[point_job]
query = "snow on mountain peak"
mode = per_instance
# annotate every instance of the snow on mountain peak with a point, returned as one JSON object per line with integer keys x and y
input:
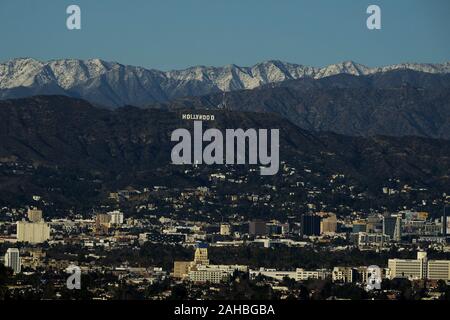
{"x": 110, "y": 82}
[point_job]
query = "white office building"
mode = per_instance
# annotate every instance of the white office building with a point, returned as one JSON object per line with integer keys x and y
{"x": 213, "y": 273}
{"x": 372, "y": 239}
{"x": 421, "y": 268}
{"x": 302, "y": 274}
{"x": 297, "y": 275}
{"x": 12, "y": 259}
{"x": 116, "y": 217}
{"x": 273, "y": 273}
{"x": 439, "y": 270}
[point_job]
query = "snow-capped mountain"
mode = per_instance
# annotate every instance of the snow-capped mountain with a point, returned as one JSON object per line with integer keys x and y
{"x": 114, "y": 84}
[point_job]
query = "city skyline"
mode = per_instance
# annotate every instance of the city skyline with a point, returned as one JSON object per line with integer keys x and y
{"x": 225, "y": 157}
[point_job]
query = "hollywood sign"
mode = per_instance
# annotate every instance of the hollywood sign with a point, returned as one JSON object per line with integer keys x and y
{"x": 198, "y": 117}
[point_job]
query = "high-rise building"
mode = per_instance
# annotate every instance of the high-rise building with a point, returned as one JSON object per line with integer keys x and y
{"x": 421, "y": 268}
{"x": 439, "y": 270}
{"x": 102, "y": 218}
{"x": 181, "y": 269}
{"x": 359, "y": 226}
{"x": 257, "y": 228}
{"x": 408, "y": 268}
{"x": 310, "y": 225}
{"x": 398, "y": 229}
{"x": 33, "y": 232}
{"x": 284, "y": 228}
{"x": 201, "y": 254}
{"x": 274, "y": 229}
{"x": 389, "y": 225}
{"x": 34, "y": 215}
{"x": 225, "y": 229}
{"x": 116, "y": 217}
{"x": 402, "y": 268}
{"x": 329, "y": 224}
{"x": 445, "y": 215}
{"x": 201, "y": 271}
{"x": 392, "y": 226}
{"x": 102, "y": 223}
{"x": 374, "y": 224}
{"x": 12, "y": 259}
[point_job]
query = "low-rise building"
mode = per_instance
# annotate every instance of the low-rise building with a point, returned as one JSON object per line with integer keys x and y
{"x": 343, "y": 274}
{"x": 214, "y": 273}
{"x": 372, "y": 239}
{"x": 298, "y": 275}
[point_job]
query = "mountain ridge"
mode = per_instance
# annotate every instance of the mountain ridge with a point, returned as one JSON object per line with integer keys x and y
{"x": 60, "y": 141}
{"x": 403, "y": 111}
{"x": 115, "y": 84}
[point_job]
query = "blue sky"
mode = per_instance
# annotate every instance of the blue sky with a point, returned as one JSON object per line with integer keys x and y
{"x": 174, "y": 34}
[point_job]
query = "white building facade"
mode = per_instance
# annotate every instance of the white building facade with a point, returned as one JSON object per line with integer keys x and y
{"x": 12, "y": 259}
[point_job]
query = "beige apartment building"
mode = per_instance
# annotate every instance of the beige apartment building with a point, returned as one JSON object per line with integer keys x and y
{"x": 199, "y": 270}
{"x": 33, "y": 232}
{"x": 34, "y": 215}
{"x": 328, "y": 224}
